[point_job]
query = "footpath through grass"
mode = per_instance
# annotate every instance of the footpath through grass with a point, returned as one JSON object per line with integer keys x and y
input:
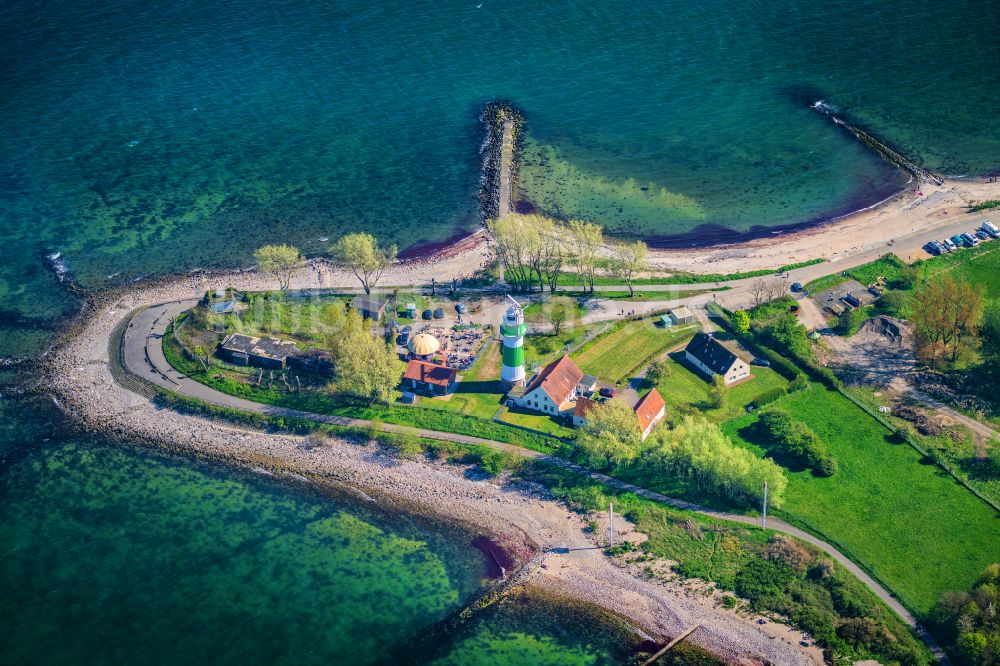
{"x": 910, "y": 524}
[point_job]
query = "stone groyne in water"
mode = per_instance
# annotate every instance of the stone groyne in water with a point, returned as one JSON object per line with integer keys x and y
{"x": 503, "y": 124}
{"x": 884, "y": 151}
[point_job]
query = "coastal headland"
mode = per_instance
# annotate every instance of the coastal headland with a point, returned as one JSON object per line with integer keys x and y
{"x": 520, "y": 517}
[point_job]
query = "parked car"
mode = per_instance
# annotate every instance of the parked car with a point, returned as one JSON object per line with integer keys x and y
{"x": 461, "y": 309}
{"x": 982, "y": 235}
{"x": 949, "y": 244}
{"x": 439, "y": 313}
{"x": 427, "y": 314}
{"x": 608, "y": 391}
{"x": 991, "y": 229}
{"x": 796, "y": 286}
{"x": 958, "y": 240}
{"x": 970, "y": 240}
{"x": 933, "y": 248}
{"x": 762, "y": 362}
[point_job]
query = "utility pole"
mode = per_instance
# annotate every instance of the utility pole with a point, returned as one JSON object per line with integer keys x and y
{"x": 611, "y": 525}
{"x": 763, "y": 515}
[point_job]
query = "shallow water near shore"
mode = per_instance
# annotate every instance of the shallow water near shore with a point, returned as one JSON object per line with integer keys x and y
{"x": 118, "y": 554}
{"x": 140, "y": 139}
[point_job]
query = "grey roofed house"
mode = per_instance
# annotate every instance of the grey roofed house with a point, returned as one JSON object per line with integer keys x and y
{"x": 714, "y": 358}
{"x": 370, "y": 307}
{"x": 269, "y": 353}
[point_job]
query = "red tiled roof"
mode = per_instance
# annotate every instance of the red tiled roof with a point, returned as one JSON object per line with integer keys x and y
{"x": 583, "y": 406}
{"x": 558, "y": 379}
{"x": 648, "y": 408}
{"x": 430, "y": 373}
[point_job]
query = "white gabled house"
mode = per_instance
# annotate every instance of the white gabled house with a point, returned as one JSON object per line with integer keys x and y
{"x": 553, "y": 390}
{"x": 714, "y": 358}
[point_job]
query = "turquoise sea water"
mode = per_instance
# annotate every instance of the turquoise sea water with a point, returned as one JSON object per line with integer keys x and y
{"x": 143, "y": 138}
{"x": 117, "y": 555}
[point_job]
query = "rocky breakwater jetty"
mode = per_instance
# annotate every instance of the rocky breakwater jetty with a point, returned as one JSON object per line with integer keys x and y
{"x": 503, "y": 123}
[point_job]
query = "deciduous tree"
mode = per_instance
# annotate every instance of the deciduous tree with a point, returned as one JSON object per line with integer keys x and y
{"x": 657, "y": 372}
{"x": 279, "y": 260}
{"x": 719, "y": 391}
{"x": 560, "y": 308}
{"x": 741, "y": 321}
{"x": 611, "y": 434}
{"x": 587, "y": 242}
{"x": 362, "y": 254}
{"x": 516, "y": 242}
{"x": 945, "y": 312}
{"x": 366, "y": 366}
{"x": 629, "y": 259}
{"x": 699, "y": 452}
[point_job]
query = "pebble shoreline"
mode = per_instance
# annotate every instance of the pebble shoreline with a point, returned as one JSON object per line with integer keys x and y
{"x": 519, "y": 516}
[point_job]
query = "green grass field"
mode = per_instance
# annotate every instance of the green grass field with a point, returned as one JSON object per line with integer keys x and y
{"x": 686, "y": 388}
{"x": 536, "y": 421}
{"x": 627, "y": 348}
{"x": 979, "y": 266}
{"x": 540, "y": 349}
{"x": 909, "y": 523}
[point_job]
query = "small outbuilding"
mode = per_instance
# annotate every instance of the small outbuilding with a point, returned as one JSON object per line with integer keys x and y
{"x": 370, "y": 307}
{"x": 429, "y": 378}
{"x": 267, "y": 353}
{"x": 681, "y": 315}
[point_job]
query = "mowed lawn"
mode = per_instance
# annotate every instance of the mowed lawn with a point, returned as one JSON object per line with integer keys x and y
{"x": 615, "y": 354}
{"x": 686, "y": 387}
{"x": 917, "y": 529}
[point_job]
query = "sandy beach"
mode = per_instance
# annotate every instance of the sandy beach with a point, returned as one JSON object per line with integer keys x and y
{"x": 903, "y": 215}
{"x": 519, "y": 515}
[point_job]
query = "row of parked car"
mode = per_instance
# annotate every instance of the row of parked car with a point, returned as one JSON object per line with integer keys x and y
{"x": 985, "y": 232}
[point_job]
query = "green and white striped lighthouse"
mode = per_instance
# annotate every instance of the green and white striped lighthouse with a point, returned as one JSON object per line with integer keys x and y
{"x": 513, "y": 329}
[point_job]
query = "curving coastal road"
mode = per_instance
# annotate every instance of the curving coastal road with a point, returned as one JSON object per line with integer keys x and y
{"x": 143, "y": 357}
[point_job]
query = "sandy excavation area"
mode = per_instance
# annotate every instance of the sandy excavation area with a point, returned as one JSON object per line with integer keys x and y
{"x": 521, "y": 516}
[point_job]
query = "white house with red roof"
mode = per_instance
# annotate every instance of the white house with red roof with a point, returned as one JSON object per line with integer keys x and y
{"x": 650, "y": 410}
{"x": 553, "y": 391}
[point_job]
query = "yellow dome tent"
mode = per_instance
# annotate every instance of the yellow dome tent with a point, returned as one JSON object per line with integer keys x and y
{"x": 424, "y": 344}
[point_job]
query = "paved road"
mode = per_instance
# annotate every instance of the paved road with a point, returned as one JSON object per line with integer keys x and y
{"x": 144, "y": 357}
